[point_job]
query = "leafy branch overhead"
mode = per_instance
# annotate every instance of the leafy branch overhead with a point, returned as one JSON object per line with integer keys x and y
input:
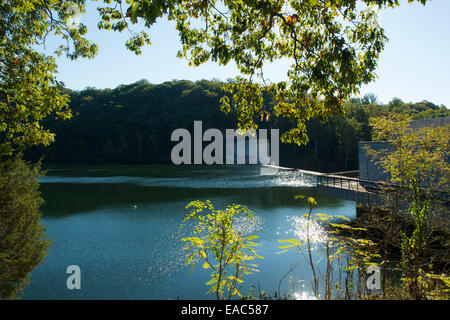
{"x": 29, "y": 90}
{"x": 333, "y": 48}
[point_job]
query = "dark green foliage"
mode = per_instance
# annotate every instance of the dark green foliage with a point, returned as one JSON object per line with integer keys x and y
{"x": 133, "y": 124}
{"x": 23, "y": 244}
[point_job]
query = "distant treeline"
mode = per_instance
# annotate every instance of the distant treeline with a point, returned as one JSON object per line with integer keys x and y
{"x": 133, "y": 124}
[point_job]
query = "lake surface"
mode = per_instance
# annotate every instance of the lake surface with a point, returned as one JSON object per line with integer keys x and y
{"x": 120, "y": 225}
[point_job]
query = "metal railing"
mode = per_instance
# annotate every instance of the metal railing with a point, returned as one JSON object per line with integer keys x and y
{"x": 366, "y": 186}
{"x": 350, "y": 183}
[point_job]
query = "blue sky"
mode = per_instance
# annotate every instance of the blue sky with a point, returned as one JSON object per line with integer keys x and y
{"x": 414, "y": 66}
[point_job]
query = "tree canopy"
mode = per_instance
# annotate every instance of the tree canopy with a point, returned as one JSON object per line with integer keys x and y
{"x": 133, "y": 124}
{"x": 29, "y": 90}
{"x": 333, "y": 46}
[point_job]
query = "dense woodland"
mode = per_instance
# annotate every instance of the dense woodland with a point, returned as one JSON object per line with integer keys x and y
{"x": 133, "y": 124}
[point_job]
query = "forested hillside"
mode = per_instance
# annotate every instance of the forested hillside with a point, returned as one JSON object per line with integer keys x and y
{"x": 133, "y": 124}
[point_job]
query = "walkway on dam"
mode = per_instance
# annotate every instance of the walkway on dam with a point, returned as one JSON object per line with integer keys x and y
{"x": 347, "y": 185}
{"x": 344, "y": 185}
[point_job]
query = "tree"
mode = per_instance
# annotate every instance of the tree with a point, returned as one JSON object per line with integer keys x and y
{"x": 28, "y": 93}
{"x": 133, "y": 122}
{"x": 28, "y": 88}
{"x": 416, "y": 155}
{"x": 370, "y": 98}
{"x": 333, "y": 46}
{"x": 418, "y": 168}
{"x": 22, "y": 240}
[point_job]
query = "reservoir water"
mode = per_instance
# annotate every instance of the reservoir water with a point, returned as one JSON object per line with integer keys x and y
{"x": 120, "y": 225}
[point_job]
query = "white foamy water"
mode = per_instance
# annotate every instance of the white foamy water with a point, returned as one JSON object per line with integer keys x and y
{"x": 244, "y": 179}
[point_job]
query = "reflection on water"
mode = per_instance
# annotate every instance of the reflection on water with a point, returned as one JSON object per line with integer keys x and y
{"x": 304, "y": 296}
{"x": 120, "y": 225}
{"x": 246, "y": 226}
{"x": 302, "y": 229}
